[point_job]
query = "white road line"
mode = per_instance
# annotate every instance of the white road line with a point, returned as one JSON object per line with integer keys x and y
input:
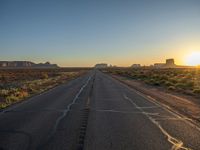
{"x": 177, "y": 144}
{"x": 149, "y": 107}
{"x": 170, "y": 118}
{"x": 118, "y": 111}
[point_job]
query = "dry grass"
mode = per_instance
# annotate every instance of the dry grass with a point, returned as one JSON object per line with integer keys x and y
{"x": 185, "y": 81}
{"x": 18, "y": 84}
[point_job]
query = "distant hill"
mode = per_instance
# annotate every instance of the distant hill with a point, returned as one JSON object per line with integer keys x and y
{"x": 26, "y": 64}
{"x": 45, "y": 65}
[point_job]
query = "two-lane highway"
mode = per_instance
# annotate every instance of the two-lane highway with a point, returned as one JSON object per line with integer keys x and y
{"x": 94, "y": 112}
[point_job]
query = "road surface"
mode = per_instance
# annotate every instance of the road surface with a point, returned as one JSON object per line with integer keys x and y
{"x": 94, "y": 112}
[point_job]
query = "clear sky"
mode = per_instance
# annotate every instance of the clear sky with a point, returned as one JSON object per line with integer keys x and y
{"x": 83, "y": 32}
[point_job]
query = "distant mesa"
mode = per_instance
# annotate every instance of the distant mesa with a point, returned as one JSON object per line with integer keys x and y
{"x": 25, "y": 64}
{"x": 170, "y": 63}
{"x": 102, "y": 65}
{"x": 46, "y": 65}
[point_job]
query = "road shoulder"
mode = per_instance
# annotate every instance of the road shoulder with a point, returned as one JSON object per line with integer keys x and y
{"x": 178, "y": 104}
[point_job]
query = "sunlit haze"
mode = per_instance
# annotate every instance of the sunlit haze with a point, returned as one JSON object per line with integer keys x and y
{"x": 193, "y": 59}
{"x": 117, "y": 32}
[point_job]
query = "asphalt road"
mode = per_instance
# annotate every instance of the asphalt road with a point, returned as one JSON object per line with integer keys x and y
{"x": 94, "y": 112}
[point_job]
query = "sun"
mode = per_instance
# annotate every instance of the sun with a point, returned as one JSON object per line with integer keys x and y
{"x": 193, "y": 59}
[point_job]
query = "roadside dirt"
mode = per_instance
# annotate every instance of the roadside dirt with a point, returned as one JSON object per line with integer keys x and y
{"x": 185, "y": 105}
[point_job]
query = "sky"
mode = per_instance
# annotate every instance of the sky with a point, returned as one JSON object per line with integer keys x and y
{"x": 85, "y": 32}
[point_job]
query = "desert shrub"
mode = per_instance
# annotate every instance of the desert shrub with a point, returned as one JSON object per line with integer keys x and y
{"x": 168, "y": 83}
{"x": 12, "y": 98}
{"x": 162, "y": 81}
{"x": 2, "y": 78}
{"x": 155, "y": 76}
{"x": 180, "y": 85}
{"x": 3, "y": 105}
{"x": 32, "y": 90}
{"x": 21, "y": 94}
{"x": 163, "y": 77}
{"x": 24, "y": 87}
{"x": 156, "y": 83}
{"x": 172, "y": 88}
{"x": 44, "y": 76}
{"x": 4, "y": 92}
{"x": 189, "y": 76}
{"x": 143, "y": 76}
{"x": 146, "y": 81}
{"x": 13, "y": 91}
{"x": 183, "y": 80}
{"x": 196, "y": 91}
{"x": 153, "y": 82}
{"x": 174, "y": 80}
{"x": 189, "y": 84}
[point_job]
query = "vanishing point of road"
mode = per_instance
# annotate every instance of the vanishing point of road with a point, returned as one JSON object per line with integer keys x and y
{"x": 94, "y": 112}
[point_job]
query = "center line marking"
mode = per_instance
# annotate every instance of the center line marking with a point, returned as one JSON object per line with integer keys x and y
{"x": 65, "y": 112}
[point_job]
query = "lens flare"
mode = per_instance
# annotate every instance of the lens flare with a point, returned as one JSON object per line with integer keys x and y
{"x": 193, "y": 59}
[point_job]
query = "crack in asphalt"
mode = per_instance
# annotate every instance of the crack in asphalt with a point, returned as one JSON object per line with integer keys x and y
{"x": 177, "y": 144}
{"x": 64, "y": 113}
{"x": 189, "y": 121}
{"x": 161, "y": 117}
